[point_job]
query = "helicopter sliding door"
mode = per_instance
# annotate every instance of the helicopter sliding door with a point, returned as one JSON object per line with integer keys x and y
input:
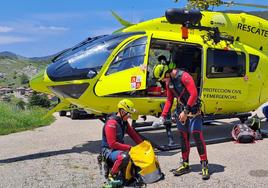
{"x": 175, "y": 54}
{"x": 127, "y": 71}
{"x": 225, "y": 87}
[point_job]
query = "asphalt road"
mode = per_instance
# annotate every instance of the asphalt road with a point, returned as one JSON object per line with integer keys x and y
{"x": 64, "y": 155}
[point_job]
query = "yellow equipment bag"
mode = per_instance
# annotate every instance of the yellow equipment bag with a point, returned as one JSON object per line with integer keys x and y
{"x": 144, "y": 158}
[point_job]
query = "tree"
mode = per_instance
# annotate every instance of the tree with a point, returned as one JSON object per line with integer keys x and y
{"x": 24, "y": 79}
{"x": 14, "y": 75}
{"x": 39, "y": 100}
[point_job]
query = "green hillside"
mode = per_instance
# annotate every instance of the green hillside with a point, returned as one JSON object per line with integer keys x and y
{"x": 13, "y": 68}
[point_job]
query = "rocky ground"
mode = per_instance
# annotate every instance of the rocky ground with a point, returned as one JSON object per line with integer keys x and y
{"x": 64, "y": 155}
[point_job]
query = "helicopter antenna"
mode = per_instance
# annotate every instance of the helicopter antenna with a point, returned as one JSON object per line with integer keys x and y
{"x": 204, "y": 4}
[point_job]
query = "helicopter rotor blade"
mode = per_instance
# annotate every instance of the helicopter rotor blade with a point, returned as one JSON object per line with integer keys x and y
{"x": 245, "y": 4}
{"x": 205, "y": 4}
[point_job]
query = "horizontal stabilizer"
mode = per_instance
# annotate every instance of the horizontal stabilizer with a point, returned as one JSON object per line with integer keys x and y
{"x": 121, "y": 20}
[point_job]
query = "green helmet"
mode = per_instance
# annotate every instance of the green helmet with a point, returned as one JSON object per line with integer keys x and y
{"x": 160, "y": 71}
{"x": 127, "y": 105}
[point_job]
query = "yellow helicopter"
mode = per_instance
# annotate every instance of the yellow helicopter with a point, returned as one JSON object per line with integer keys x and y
{"x": 226, "y": 53}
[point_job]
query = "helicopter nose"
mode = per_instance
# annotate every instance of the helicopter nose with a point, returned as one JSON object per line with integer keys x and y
{"x": 37, "y": 83}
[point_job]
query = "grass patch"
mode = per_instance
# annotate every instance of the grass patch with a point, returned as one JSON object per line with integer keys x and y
{"x": 14, "y": 119}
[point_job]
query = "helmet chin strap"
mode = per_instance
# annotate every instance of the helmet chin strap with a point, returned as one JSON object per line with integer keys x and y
{"x": 122, "y": 116}
{"x": 169, "y": 75}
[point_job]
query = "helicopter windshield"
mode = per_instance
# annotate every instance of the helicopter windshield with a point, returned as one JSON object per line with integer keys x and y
{"x": 69, "y": 51}
{"x": 86, "y": 59}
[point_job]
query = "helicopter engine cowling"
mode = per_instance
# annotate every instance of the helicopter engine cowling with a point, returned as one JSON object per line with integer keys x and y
{"x": 183, "y": 16}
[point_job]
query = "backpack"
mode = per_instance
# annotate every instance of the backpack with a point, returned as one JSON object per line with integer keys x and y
{"x": 242, "y": 133}
{"x": 142, "y": 169}
{"x": 143, "y": 157}
{"x": 255, "y": 124}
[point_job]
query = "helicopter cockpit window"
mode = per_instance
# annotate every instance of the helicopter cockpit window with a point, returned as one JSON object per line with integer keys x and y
{"x": 131, "y": 56}
{"x": 224, "y": 64}
{"x": 253, "y": 62}
{"x": 69, "y": 51}
{"x": 85, "y": 60}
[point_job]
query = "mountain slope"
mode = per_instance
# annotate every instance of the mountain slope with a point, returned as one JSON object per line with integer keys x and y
{"x": 262, "y": 14}
{"x": 13, "y": 66}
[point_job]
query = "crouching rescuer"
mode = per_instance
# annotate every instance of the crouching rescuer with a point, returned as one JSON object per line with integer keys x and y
{"x": 180, "y": 85}
{"x": 113, "y": 147}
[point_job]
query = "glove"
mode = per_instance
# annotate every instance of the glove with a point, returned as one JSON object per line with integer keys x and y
{"x": 161, "y": 121}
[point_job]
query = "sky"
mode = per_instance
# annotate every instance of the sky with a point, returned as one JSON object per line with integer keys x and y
{"x": 36, "y": 28}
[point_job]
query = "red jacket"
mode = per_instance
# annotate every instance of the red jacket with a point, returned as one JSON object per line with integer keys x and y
{"x": 114, "y": 135}
{"x": 188, "y": 91}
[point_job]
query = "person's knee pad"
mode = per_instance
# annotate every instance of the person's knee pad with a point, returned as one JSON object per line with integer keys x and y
{"x": 125, "y": 159}
{"x": 199, "y": 142}
{"x": 184, "y": 141}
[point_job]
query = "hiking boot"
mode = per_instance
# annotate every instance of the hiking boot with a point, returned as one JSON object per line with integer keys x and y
{"x": 205, "y": 171}
{"x": 183, "y": 169}
{"x": 113, "y": 181}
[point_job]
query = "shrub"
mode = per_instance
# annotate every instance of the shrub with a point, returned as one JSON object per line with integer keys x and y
{"x": 39, "y": 100}
{"x": 21, "y": 104}
{"x": 24, "y": 79}
{"x": 14, "y": 119}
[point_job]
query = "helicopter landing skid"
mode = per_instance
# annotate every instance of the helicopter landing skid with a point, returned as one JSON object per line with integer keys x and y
{"x": 168, "y": 147}
{"x": 192, "y": 144}
{"x": 146, "y": 126}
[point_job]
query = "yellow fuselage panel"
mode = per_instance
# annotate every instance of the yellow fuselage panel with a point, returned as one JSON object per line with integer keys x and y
{"x": 219, "y": 95}
{"x": 225, "y": 95}
{"x": 248, "y": 29}
{"x": 112, "y": 83}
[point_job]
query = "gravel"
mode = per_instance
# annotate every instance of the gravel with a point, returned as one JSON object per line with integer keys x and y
{"x": 64, "y": 155}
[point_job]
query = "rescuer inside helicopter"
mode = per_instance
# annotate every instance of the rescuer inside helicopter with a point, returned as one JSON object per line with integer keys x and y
{"x": 113, "y": 146}
{"x": 163, "y": 60}
{"x": 180, "y": 84}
